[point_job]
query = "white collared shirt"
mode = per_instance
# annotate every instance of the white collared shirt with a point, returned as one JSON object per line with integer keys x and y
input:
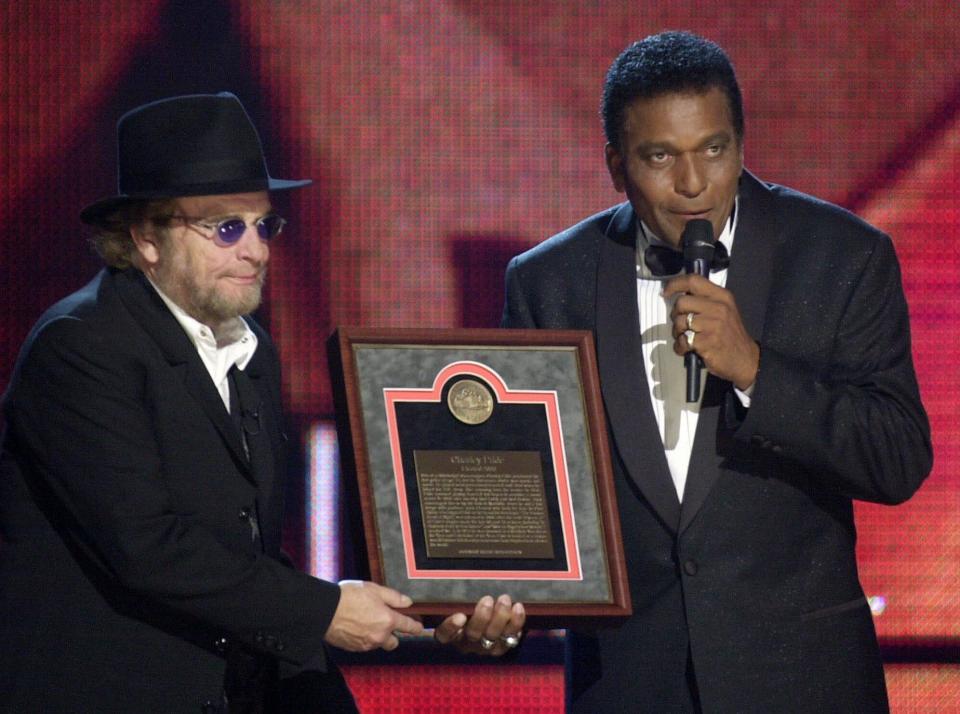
{"x": 666, "y": 376}
{"x": 233, "y": 344}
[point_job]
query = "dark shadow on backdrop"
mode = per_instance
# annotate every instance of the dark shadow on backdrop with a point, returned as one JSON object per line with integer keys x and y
{"x": 479, "y": 262}
{"x": 903, "y": 157}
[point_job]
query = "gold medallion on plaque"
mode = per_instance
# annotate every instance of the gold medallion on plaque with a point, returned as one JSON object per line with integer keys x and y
{"x": 470, "y": 401}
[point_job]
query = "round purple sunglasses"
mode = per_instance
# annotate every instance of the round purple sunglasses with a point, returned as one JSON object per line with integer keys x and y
{"x": 230, "y": 230}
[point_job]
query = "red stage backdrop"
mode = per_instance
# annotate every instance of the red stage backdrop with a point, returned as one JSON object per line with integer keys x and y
{"x": 445, "y": 136}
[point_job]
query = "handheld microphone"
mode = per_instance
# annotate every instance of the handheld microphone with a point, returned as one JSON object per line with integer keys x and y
{"x": 697, "y": 243}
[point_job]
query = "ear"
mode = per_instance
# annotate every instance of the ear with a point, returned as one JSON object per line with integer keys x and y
{"x": 146, "y": 241}
{"x": 615, "y": 166}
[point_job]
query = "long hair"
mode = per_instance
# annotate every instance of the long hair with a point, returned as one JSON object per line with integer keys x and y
{"x": 113, "y": 241}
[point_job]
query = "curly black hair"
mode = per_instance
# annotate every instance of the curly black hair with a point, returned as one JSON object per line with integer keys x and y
{"x": 668, "y": 62}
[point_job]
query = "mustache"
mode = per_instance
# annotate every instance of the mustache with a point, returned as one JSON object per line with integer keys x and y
{"x": 260, "y": 275}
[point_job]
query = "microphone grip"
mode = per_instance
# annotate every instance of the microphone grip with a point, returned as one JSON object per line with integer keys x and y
{"x": 692, "y": 360}
{"x": 693, "y": 364}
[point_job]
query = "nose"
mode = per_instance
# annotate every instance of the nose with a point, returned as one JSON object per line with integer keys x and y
{"x": 689, "y": 177}
{"x": 252, "y": 247}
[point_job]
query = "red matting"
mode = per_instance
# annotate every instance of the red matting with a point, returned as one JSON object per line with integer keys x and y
{"x": 504, "y": 396}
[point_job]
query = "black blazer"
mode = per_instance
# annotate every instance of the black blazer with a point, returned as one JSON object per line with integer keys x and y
{"x": 129, "y": 571}
{"x": 755, "y": 573}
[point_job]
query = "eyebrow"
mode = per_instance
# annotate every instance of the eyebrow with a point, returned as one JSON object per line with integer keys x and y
{"x": 720, "y": 136}
{"x": 227, "y": 216}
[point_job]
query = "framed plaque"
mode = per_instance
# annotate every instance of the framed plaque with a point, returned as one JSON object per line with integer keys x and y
{"x": 482, "y": 467}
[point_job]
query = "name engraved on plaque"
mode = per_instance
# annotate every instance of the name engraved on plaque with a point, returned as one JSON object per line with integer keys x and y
{"x": 483, "y": 504}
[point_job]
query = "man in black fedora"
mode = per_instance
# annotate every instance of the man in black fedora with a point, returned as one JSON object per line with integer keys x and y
{"x": 143, "y": 458}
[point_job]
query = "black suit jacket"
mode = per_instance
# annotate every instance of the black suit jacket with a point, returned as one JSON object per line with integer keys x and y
{"x": 754, "y": 574}
{"x": 130, "y": 573}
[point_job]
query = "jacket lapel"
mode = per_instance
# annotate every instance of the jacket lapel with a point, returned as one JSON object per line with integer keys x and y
{"x": 153, "y": 316}
{"x": 751, "y": 274}
{"x": 622, "y": 375}
{"x": 268, "y": 420}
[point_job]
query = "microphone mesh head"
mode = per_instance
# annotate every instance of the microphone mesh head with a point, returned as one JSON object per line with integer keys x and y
{"x": 697, "y": 241}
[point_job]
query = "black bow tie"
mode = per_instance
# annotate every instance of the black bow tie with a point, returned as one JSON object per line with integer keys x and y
{"x": 666, "y": 262}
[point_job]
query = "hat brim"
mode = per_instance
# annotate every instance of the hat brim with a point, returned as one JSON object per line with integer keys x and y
{"x": 97, "y": 213}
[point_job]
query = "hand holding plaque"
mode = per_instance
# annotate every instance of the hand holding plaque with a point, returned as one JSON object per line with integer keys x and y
{"x": 366, "y": 618}
{"x": 494, "y": 628}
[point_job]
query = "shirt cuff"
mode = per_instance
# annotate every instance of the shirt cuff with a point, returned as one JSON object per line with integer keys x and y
{"x": 744, "y": 395}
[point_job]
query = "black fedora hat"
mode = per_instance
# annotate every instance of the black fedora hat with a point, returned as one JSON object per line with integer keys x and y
{"x": 192, "y": 145}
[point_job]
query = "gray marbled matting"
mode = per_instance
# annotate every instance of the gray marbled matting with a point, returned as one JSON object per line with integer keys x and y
{"x": 402, "y": 367}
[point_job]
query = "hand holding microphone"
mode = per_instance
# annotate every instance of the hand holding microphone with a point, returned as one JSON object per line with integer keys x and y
{"x": 698, "y": 245}
{"x": 719, "y": 341}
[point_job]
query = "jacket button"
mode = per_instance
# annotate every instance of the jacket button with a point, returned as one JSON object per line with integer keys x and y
{"x": 221, "y": 644}
{"x": 258, "y": 638}
{"x": 777, "y": 449}
{"x": 244, "y": 514}
{"x": 690, "y": 567}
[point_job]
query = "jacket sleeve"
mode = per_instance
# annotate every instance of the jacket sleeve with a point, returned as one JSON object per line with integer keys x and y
{"x": 856, "y": 419}
{"x": 81, "y": 418}
{"x": 516, "y": 311}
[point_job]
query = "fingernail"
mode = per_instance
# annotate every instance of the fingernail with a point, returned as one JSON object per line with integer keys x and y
{"x": 504, "y": 600}
{"x": 518, "y": 608}
{"x": 459, "y": 619}
{"x": 485, "y": 601}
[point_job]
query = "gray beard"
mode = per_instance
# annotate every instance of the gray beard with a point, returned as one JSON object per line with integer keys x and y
{"x": 208, "y": 305}
{"x": 213, "y": 308}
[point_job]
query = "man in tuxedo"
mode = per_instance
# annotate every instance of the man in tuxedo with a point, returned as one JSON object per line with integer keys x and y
{"x": 142, "y": 468}
{"x": 736, "y": 508}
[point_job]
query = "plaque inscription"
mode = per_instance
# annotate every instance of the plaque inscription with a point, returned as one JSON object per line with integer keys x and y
{"x": 483, "y": 504}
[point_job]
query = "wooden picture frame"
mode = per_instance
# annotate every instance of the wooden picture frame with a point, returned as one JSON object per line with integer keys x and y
{"x": 478, "y": 463}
